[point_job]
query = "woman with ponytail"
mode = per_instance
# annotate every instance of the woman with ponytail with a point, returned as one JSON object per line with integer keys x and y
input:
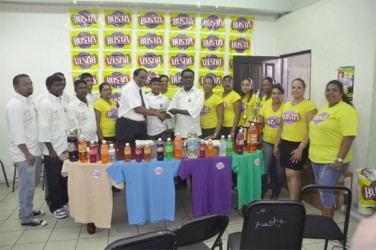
{"x": 331, "y": 133}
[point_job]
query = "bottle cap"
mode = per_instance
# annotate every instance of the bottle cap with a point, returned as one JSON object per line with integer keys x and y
{"x": 111, "y": 145}
{"x": 202, "y": 140}
{"x": 222, "y": 136}
{"x": 127, "y": 144}
{"x": 92, "y": 142}
{"x": 103, "y": 141}
{"x": 168, "y": 139}
{"x": 159, "y": 139}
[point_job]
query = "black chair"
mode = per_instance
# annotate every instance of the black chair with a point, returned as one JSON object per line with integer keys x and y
{"x": 270, "y": 225}
{"x": 155, "y": 240}
{"x": 5, "y": 173}
{"x": 191, "y": 234}
{"x": 321, "y": 227}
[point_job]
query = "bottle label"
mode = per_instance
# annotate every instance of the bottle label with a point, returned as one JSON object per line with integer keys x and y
{"x": 160, "y": 149}
{"x": 192, "y": 144}
{"x": 146, "y": 150}
{"x": 82, "y": 148}
{"x": 72, "y": 147}
{"x": 138, "y": 151}
{"x": 253, "y": 138}
{"x": 93, "y": 151}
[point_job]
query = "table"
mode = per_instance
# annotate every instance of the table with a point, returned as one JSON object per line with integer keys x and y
{"x": 150, "y": 189}
{"x": 211, "y": 184}
{"x": 90, "y": 193}
{"x": 249, "y": 168}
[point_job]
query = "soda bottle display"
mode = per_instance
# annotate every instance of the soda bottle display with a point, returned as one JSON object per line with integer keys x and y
{"x": 160, "y": 150}
{"x": 147, "y": 151}
{"x": 72, "y": 146}
{"x": 178, "y": 147}
{"x": 169, "y": 150}
{"x": 82, "y": 150}
{"x": 127, "y": 153}
{"x": 252, "y": 140}
{"x": 111, "y": 153}
{"x": 239, "y": 143}
{"x": 192, "y": 144}
{"x": 210, "y": 148}
{"x": 229, "y": 146}
{"x": 104, "y": 152}
{"x": 202, "y": 148}
{"x": 138, "y": 153}
{"x": 93, "y": 152}
{"x": 222, "y": 146}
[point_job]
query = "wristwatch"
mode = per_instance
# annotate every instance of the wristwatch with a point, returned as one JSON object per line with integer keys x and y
{"x": 339, "y": 159}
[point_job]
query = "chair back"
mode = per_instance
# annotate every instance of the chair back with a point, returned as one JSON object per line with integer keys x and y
{"x": 273, "y": 225}
{"x": 201, "y": 229}
{"x": 154, "y": 240}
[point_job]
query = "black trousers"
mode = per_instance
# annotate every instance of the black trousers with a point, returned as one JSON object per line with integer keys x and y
{"x": 57, "y": 184}
{"x": 208, "y": 132}
{"x": 129, "y": 131}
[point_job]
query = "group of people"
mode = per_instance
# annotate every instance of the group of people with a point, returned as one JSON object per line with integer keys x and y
{"x": 292, "y": 131}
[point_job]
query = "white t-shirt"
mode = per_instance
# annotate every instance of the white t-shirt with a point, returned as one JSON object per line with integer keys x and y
{"x": 156, "y": 126}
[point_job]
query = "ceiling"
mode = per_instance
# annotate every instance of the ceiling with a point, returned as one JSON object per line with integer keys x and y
{"x": 274, "y": 8}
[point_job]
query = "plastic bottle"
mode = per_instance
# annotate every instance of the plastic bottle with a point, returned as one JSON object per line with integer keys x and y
{"x": 147, "y": 151}
{"x": 169, "y": 150}
{"x": 252, "y": 138}
{"x": 178, "y": 147}
{"x": 239, "y": 143}
{"x": 112, "y": 153}
{"x": 138, "y": 153}
{"x": 160, "y": 150}
{"x": 104, "y": 152}
{"x": 93, "y": 152}
{"x": 82, "y": 150}
{"x": 127, "y": 153}
{"x": 222, "y": 146}
{"x": 202, "y": 148}
{"x": 210, "y": 148}
{"x": 72, "y": 146}
{"x": 192, "y": 144}
{"x": 229, "y": 146}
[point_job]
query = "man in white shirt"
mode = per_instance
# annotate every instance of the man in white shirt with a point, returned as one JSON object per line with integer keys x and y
{"x": 53, "y": 123}
{"x": 132, "y": 112}
{"x": 186, "y": 105}
{"x": 24, "y": 147}
{"x": 89, "y": 79}
{"x": 64, "y": 96}
{"x": 81, "y": 113}
{"x": 155, "y": 100}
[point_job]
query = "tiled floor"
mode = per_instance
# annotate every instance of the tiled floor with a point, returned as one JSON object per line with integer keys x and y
{"x": 66, "y": 234}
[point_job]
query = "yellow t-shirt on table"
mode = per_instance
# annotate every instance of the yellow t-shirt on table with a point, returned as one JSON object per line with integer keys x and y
{"x": 208, "y": 115}
{"x": 248, "y": 107}
{"x": 108, "y": 116}
{"x": 327, "y": 129}
{"x": 295, "y": 120}
{"x": 271, "y": 121}
{"x": 228, "y": 105}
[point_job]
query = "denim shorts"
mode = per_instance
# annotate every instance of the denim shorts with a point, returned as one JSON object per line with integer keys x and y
{"x": 325, "y": 175}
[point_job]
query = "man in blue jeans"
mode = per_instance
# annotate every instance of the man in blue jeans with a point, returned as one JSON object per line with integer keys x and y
{"x": 24, "y": 147}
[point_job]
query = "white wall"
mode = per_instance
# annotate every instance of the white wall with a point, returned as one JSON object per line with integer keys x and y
{"x": 34, "y": 39}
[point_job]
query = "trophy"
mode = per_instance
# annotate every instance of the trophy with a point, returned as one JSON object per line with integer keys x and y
{"x": 255, "y": 116}
{"x": 244, "y": 124}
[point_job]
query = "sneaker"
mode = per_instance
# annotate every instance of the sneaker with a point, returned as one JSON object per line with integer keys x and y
{"x": 38, "y": 213}
{"x": 59, "y": 214}
{"x": 65, "y": 207}
{"x": 35, "y": 223}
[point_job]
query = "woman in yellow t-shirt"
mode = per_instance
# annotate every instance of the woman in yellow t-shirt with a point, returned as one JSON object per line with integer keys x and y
{"x": 292, "y": 138}
{"x": 232, "y": 107}
{"x": 331, "y": 133}
{"x": 164, "y": 87}
{"x": 211, "y": 116}
{"x": 270, "y": 116}
{"x": 248, "y": 101}
{"x": 266, "y": 86}
{"x": 105, "y": 113}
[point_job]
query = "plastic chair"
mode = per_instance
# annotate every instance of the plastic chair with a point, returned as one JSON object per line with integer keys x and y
{"x": 5, "y": 173}
{"x": 155, "y": 240}
{"x": 191, "y": 234}
{"x": 322, "y": 227}
{"x": 270, "y": 225}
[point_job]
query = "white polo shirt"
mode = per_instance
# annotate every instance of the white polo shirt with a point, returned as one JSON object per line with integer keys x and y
{"x": 53, "y": 123}
{"x": 160, "y": 102}
{"x": 22, "y": 121}
{"x": 82, "y": 116}
{"x": 130, "y": 98}
{"x": 65, "y": 97}
{"x": 192, "y": 101}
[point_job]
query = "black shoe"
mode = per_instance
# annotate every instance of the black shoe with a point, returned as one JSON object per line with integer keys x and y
{"x": 35, "y": 223}
{"x": 38, "y": 213}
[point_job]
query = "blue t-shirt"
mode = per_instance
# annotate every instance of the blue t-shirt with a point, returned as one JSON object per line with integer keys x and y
{"x": 150, "y": 189}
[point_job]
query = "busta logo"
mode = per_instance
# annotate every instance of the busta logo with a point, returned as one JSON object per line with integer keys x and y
{"x": 116, "y": 98}
{"x": 182, "y": 21}
{"x": 181, "y": 61}
{"x": 158, "y": 170}
{"x": 257, "y": 162}
{"x": 213, "y": 22}
{"x": 118, "y": 19}
{"x": 290, "y": 117}
{"x": 241, "y": 24}
{"x": 112, "y": 113}
{"x": 205, "y": 110}
{"x": 212, "y": 42}
{"x": 182, "y": 41}
{"x": 118, "y": 40}
{"x": 220, "y": 165}
{"x": 150, "y": 60}
{"x": 240, "y": 45}
{"x": 84, "y": 40}
{"x": 118, "y": 60}
{"x": 96, "y": 174}
{"x": 217, "y": 79}
{"x": 150, "y": 76}
{"x": 117, "y": 79}
{"x": 211, "y": 62}
{"x": 320, "y": 117}
{"x": 176, "y": 80}
{"x": 150, "y": 20}
{"x": 85, "y": 60}
{"x": 84, "y": 18}
{"x": 150, "y": 40}
{"x": 273, "y": 121}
